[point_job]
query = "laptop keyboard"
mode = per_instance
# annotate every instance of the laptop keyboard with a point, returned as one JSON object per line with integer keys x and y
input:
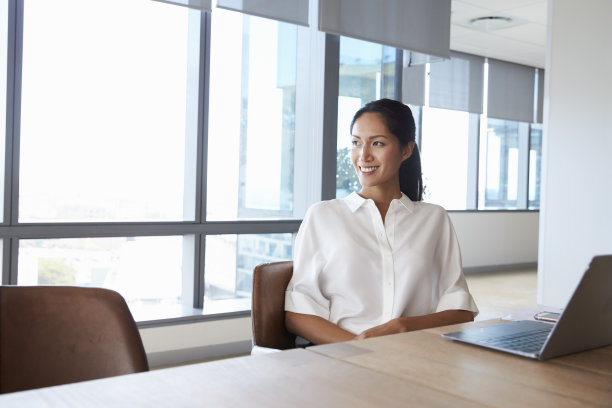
{"x": 529, "y": 342}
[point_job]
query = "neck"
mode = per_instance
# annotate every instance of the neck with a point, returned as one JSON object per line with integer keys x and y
{"x": 382, "y": 197}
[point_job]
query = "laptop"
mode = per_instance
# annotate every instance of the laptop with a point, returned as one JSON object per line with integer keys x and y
{"x": 586, "y": 322}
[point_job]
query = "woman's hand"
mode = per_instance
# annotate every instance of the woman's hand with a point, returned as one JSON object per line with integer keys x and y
{"x": 391, "y": 327}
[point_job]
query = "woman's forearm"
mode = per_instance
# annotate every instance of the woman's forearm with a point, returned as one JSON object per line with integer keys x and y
{"x": 404, "y": 324}
{"x": 444, "y": 318}
{"x": 316, "y": 329}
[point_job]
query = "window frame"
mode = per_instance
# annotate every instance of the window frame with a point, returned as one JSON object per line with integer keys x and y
{"x": 12, "y": 231}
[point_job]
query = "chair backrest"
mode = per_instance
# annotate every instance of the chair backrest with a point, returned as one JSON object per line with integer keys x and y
{"x": 51, "y": 335}
{"x": 268, "y": 309}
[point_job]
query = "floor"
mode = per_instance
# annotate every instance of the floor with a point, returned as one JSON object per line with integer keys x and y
{"x": 499, "y": 293}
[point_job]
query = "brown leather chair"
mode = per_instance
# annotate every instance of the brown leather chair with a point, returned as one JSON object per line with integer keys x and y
{"x": 270, "y": 281}
{"x": 51, "y": 335}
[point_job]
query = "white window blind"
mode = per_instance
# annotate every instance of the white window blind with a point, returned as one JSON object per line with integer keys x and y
{"x": 417, "y": 25}
{"x": 290, "y": 11}
{"x": 203, "y": 5}
{"x": 413, "y": 84}
{"x": 511, "y": 91}
{"x": 457, "y": 83}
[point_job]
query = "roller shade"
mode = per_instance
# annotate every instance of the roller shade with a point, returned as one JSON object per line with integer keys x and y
{"x": 457, "y": 83}
{"x": 413, "y": 84}
{"x": 417, "y": 25}
{"x": 290, "y": 11}
{"x": 203, "y": 5}
{"x": 511, "y": 91}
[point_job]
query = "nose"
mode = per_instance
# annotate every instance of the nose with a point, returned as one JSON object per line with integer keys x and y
{"x": 366, "y": 153}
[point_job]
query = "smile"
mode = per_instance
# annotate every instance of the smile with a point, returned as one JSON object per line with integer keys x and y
{"x": 368, "y": 169}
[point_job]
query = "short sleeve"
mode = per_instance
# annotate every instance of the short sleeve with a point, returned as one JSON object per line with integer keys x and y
{"x": 304, "y": 293}
{"x": 452, "y": 287}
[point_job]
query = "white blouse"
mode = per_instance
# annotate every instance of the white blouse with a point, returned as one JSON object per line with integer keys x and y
{"x": 353, "y": 270}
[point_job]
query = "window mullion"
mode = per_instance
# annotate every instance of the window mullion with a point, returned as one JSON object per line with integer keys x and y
{"x": 473, "y": 154}
{"x": 523, "y": 166}
{"x": 330, "y": 116}
{"x": 13, "y": 111}
{"x": 202, "y": 160}
{"x": 399, "y": 62}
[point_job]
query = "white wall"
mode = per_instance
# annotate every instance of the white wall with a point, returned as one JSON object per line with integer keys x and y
{"x": 575, "y": 215}
{"x": 196, "y": 341}
{"x": 487, "y": 239}
{"x": 497, "y": 239}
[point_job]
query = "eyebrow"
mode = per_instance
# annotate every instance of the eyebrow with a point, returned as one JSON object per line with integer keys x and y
{"x": 371, "y": 137}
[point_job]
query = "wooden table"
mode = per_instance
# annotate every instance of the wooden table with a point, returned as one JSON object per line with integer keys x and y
{"x": 410, "y": 369}
{"x": 480, "y": 375}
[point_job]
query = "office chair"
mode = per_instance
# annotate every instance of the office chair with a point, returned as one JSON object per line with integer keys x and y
{"x": 270, "y": 281}
{"x": 52, "y": 335}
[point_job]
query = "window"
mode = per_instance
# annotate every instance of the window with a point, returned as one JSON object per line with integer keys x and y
{"x": 251, "y": 134}
{"x": 251, "y": 150}
{"x": 445, "y": 140}
{"x": 504, "y": 152}
{"x": 471, "y": 161}
{"x": 230, "y": 262}
{"x": 120, "y": 183}
{"x": 535, "y": 164}
{"x": 103, "y": 112}
{"x": 367, "y": 73}
{"x": 147, "y": 271}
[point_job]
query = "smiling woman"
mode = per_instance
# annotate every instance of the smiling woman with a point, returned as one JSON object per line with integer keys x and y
{"x": 389, "y": 126}
{"x": 379, "y": 261}
{"x": 377, "y": 154}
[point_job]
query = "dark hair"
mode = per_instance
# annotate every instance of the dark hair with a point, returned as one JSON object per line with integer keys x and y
{"x": 400, "y": 122}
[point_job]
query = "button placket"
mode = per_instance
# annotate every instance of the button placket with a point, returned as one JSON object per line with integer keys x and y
{"x": 388, "y": 282}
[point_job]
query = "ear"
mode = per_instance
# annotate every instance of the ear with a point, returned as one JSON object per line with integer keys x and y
{"x": 407, "y": 150}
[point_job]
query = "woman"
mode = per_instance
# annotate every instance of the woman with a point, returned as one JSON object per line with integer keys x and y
{"x": 379, "y": 261}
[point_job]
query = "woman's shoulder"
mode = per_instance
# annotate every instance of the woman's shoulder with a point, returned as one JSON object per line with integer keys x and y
{"x": 326, "y": 206}
{"x": 323, "y": 215}
{"x": 430, "y": 208}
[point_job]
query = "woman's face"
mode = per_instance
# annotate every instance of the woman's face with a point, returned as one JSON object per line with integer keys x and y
{"x": 376, "y": 153}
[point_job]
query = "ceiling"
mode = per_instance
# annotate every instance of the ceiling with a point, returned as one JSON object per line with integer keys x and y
{"x": 522, "y": 39}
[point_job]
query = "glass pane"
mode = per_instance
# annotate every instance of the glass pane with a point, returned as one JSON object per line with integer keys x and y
{"x": 251, "y": 131}
{"x": 3, "y": 78}
{"x": 230, "y": 260}
{"x": 367, "y": 73}
{"x": 535, "y": 164}
{"x": 444, "y": 157}
{"x": 147, "y": 271}
{"x": 388, "y": 71}
{"x": 502, "y": 156}
{"x": 103, "y": 116}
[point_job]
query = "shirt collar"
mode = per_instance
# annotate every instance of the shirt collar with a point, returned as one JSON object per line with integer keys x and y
{"x": 406, "y": 202}
{"x": 354, "y": 201}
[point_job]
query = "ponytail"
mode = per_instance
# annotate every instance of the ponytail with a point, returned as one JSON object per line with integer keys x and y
{"x": 410, "y": 178}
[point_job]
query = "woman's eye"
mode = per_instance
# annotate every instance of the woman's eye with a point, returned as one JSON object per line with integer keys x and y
{"x": 378, "y": 143}
{"x": 355, "y": 143}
